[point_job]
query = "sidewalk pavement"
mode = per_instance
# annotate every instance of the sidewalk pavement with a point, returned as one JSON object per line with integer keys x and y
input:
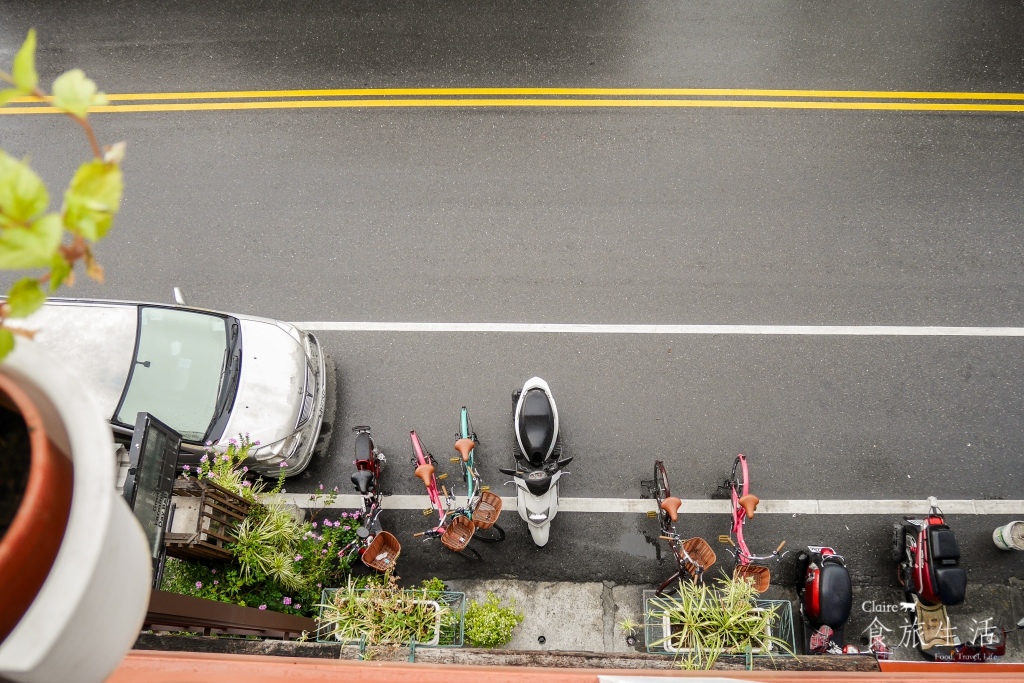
{"x": 582, "y": 617}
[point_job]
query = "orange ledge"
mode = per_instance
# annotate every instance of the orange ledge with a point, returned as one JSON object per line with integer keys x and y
{"x": 192, "y": 667}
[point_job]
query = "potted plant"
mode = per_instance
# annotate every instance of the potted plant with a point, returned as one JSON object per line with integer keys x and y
{"x": 383, "y": 613}
{"x": 74, "y": 563}
{"x": 703, "y": 622}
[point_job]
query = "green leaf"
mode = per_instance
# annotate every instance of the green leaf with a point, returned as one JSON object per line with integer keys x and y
{"x": 23, "y": 195}
{"x": 92, "y": 199}
{"x": 31, "y": 247}
{"x": 6, "y": 342}
{"x": 60, "y": 269}
{"x": 74, "y": 93}
{"x": 24, "y": 69}
{"x": 25, "y": 297}
{"x": 8, "y": 94}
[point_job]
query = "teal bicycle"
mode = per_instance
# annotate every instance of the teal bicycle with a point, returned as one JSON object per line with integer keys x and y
{"x": 482, "y": 507}
{"x": 459, "y": 524}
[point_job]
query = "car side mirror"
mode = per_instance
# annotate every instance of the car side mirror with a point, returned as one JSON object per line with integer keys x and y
{"x": 505, "y": 470}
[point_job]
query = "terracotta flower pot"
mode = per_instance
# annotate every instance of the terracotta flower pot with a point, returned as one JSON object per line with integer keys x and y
{"x": 78, "y": 558}
{"x": 30, "y": 544}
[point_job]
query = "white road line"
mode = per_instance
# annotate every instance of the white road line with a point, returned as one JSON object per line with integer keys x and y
{"x": 567, "y": 328}
{"x": 705, "y": 506}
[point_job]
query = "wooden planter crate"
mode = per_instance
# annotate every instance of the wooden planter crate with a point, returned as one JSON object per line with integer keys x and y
{"x": 215, "y": 513}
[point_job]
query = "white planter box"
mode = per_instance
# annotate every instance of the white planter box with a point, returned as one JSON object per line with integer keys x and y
{"x": 437, "y": 624}
{"x": 670, "y": 646}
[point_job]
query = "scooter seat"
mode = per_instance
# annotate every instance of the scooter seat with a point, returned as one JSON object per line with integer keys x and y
{"x": 362, "y": 480}
{"x": 671, "y": 506}
{"x": 835, "y": 595}
{"x": 363, "y": 446}
{"x": 950, "y": 584}
{"x": 464, "y": 446}
{"x": 942, "y": 545}
{"x": 536, "y": 425}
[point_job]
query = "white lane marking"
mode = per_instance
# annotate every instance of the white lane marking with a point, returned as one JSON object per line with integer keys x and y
{"x": 705, "y": 506}
{"x": 563, "y": 328}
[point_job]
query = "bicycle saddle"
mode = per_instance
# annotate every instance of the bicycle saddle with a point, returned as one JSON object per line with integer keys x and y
{"x": 464, "y": 446}
{"x": 671, "y": 506}
{"x": 426, "y": 473}
{"x": 749, "y": 504}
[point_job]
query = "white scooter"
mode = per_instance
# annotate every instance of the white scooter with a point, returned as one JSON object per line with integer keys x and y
{"x": 538, "y": 457}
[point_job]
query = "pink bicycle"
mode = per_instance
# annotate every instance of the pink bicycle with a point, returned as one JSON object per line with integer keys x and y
{"x": 744, "y": 503}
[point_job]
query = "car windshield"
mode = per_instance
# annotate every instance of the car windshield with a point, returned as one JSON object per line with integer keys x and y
{"x": 177, "y": 371}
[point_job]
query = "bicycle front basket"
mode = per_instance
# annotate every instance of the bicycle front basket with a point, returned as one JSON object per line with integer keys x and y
{"x": 487, "y": 510}
{"x": 458, "y": 534}
{"x": 761, "y": 577}
{"x": 382, "y": 553}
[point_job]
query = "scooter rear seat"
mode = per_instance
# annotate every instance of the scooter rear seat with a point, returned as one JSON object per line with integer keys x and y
{"x": 835, "y": 594}
{"x": 362, "y": 446}
{"x": 949, "y": 578}
{"x": 361, "y": 480}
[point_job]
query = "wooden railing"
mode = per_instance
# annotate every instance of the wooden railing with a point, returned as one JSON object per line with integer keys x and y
{"x": 174, "y": 612}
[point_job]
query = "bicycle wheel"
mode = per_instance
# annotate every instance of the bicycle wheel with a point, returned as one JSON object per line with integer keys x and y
{"x": 661, "y": 492}
{"x": 491, "y": 535}
{"x": 740, "y": 475}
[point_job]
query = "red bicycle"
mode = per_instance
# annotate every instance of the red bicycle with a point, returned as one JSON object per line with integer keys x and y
{"x": 744, "y": 504}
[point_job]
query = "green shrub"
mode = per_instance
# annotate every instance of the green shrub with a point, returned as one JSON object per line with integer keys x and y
{"x": 489, "y": 624}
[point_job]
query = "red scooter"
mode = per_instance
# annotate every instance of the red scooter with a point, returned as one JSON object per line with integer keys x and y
{"x": 826, "y": 598}
{"x": 929, "y": 571}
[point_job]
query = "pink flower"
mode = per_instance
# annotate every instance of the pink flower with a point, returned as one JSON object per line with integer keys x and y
{"x": 298, "y": 606}
{"x": 321, "y": 487}
{"x": 344, "y": 514}
{"x": 256, "y": 443}
{"x": 186, "y": 468}
{"x": 314, "y": 525}
{"x": 284, "y": 464}
{"x": 287, "y": 601}
{"x": 215, "y": 582}
{"x": 335, "y": 489}
{"x": 232, "y": 442}
{"x": 209, "y": 443}
{"x": 213, "y": 571}
{"x": 225, "y": 457}
{"x": 298, "y": 557}
{"x": 347, "y": 528}
{"x": 199, "y": 584}
{"x": 204, "y": 458}
{"x": 319, "y": 586}
{"x": 324, "y": 551}
{"x": 263, "y": 607}
{"x": 246, "y": 483}
{"x": 245, "y": 469}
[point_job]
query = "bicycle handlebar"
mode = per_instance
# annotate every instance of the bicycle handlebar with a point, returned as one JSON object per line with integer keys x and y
{"x": 422, "y": 533}
{"x": 668, "y": 538}
{"x": 779, "y": 548}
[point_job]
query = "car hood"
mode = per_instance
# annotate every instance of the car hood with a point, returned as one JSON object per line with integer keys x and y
{"x": 270, "y": 385}
{"x": 97, "y": 341}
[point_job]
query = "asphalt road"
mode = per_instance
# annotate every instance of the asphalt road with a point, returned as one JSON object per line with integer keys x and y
{"x": 581, "y": 215}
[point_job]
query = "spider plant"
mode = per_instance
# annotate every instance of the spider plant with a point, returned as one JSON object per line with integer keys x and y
{"x": 706, "y": 622}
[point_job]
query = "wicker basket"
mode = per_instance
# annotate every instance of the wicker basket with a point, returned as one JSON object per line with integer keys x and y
{"x": 458, "y": 534}
{"x": 761, "y": 577}
{"x": 486, "y": 512}
{"x": 701, "y": 553}
{"x": 382, "y": 553}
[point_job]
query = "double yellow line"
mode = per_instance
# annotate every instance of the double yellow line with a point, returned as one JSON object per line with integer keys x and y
{"x": 728, "y": 98}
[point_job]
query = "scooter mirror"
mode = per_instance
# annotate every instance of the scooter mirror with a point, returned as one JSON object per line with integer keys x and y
{"x": 505, "y": 470}
{"x": 562, "y": 462}
{"x": 1020, "y": 624}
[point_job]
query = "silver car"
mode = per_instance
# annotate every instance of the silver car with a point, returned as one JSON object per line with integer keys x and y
{"x": 210, "y": 376}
